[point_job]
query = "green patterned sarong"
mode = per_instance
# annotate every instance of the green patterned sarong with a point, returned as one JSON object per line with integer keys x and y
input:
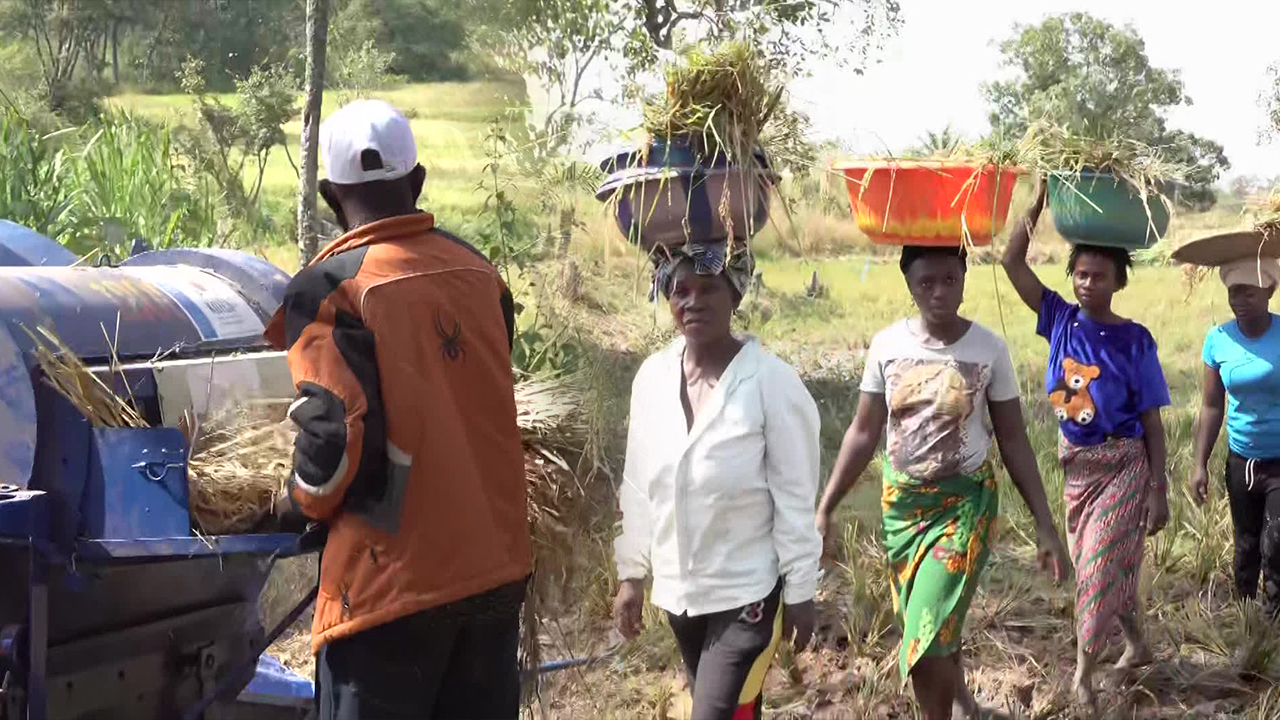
{"x": 937, "y": 536}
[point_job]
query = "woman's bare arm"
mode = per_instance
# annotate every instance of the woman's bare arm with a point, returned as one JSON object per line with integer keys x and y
{"x": 1213, "y": 410}
{"x": 1020, "y": 461}
{"x": 856, "y": 451}
{"x": 1024, "y": 279}
{"x": 1157, "y": 450}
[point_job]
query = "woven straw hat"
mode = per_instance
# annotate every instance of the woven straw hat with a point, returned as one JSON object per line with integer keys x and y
{"x": 1217, "y": 250}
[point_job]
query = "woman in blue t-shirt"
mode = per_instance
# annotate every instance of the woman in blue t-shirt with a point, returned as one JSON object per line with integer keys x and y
{"x": 1106, "y": 387}
{"x": 1242, "y": 382}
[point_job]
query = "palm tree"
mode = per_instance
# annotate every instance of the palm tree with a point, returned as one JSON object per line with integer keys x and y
{"x": 937, "y": 144}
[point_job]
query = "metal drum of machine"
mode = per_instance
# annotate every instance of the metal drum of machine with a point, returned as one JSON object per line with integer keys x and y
{"x": 112, "y": 607}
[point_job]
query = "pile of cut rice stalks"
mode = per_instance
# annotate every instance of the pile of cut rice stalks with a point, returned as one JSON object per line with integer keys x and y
{"x": 549, "y": 413}
{"x": 68, "y": 374}
{"x": 724, "y": 99}
{"x": 1053, "y": 149}
{"x": 240, "y": 463}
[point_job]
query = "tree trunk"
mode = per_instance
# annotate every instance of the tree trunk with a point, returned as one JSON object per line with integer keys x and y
{"x": 317, "y": 38}
{"x": 102, "y": 57}
{"x": 568, "y": 218}
{"x": 156, "y": 41}
{"x": 115, "y": 52}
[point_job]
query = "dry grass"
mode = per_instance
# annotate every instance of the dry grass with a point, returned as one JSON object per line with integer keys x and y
{"x": 239, "y": 465}
{"x": 240, "y": 459}
{"x": 68, "y": 374}
{"x": 1269, "y": 222}
{"x": 723, "y": 99}
{"x": 289, "y": 580}
{"x": 1053, "y": 149}
{"x": 236, "y": 470}
{"x": 551, "y": 424}
{"x": 1215, "y": 658}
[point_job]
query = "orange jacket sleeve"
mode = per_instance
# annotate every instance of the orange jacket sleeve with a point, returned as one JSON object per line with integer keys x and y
{"x": 341, "y": 437}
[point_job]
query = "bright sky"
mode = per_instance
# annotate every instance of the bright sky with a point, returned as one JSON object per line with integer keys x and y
{"x": 929, "y": 75}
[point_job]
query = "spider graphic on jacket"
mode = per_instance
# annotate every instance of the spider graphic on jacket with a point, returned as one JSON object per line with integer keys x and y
{"x": 450, "y": 341}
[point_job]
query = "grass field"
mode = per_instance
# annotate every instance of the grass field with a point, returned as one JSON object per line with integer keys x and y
{"x": 449, "y": 121}
{"x": 1214, "y": 659}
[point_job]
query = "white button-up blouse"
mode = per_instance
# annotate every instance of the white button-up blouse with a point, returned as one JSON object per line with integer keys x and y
{"x": 717, "y": 514}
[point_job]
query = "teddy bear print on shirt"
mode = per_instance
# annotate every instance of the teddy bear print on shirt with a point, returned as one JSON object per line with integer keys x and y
{"x": 1070, "y": 396}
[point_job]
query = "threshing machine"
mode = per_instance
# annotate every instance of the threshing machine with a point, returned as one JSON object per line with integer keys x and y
{"x": 111, "y": 608}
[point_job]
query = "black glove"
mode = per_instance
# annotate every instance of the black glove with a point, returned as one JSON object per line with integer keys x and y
{"x": 289, "y": 516}
{"x": 283, "y": 518}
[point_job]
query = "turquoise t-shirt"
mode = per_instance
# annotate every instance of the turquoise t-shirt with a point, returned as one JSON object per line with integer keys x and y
{"x": 1250, "y": 370}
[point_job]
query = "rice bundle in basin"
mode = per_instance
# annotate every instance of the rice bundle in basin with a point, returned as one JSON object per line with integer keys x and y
{"x": 723, "y": 98}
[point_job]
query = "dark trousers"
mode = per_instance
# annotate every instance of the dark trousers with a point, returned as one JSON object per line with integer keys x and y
{"x": 726, "y": 655}
{"x": 1253, "y": 489}
{"x": 453, "y": 662}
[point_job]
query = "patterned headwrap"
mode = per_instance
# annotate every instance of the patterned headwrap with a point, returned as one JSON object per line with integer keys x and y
{"x": 708, "y": 259}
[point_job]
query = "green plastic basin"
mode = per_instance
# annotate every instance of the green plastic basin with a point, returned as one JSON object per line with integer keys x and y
{"x": 1119, "y": 218}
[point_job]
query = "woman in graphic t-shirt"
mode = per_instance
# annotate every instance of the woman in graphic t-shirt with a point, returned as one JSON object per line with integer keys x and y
{"x": 942, "y": 389}
{"x": 1242, "y": 383}
{"x": 1106, "y": 388}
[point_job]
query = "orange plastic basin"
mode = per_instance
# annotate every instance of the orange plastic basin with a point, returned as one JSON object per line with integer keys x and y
{"x": 929, "y": 203}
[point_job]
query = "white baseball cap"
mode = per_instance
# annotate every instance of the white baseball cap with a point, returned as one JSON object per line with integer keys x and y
{"x": 359, "y": 127}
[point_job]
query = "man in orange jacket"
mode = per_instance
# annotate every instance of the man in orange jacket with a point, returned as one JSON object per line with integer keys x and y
{"x": 399, "y": 341}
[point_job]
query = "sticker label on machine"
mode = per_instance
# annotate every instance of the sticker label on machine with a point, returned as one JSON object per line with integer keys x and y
{"x": 214, "y": 306}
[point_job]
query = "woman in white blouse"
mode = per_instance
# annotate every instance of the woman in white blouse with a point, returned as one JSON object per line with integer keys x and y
{"x": 719, "y": 490}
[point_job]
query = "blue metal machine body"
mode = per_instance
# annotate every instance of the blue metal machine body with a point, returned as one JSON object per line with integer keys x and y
{"x": 23, "y": 246}
{"x": 131, "y": 309}
{"x": 137, "y": 484}
{"x": 111, "y": 608}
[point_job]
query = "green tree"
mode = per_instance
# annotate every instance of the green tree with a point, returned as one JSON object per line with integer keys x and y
{"x": 234, "y": 141}
{"x": 1270, "y": 100}
{"x": 421, "y": 40}
{"x": 1206, "y": 158}
{"x": 1095, "y": 79}
{"x": 1246, "y": 187}
{"x": 357, "y": 61}
{"x": 559, "y": 41}
{"x": 71, "y": 40}
{"x": 231, "y": 38}
{"x": 1084, "y": 74}
{"x": 794, "y": 32}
